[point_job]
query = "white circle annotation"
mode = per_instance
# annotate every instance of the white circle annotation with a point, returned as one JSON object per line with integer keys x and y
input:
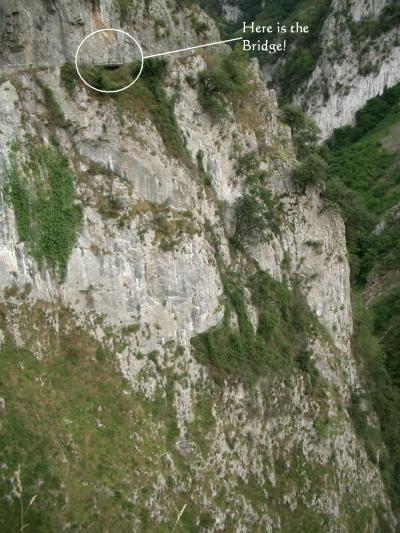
{"x": 115, "y": 90}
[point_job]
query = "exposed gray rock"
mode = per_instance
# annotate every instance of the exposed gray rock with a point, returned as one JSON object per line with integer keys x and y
{"x": 122, "y": 286}
{"x": 349, "y": 72}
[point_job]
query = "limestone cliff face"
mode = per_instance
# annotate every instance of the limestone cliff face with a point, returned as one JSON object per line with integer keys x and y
{"x": 49, "y": 32}
{"x": 353, "y": 67}
{"x": 360, "y": 56}
{"x": 138, "y": 299}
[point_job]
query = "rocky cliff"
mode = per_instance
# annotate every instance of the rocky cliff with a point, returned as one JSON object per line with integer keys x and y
{"x": 355, "y": 52}
{"x": 108, "y": 363}
{"x": 361, "y": 56}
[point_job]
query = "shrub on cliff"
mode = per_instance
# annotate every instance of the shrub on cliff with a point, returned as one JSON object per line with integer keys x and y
{"x": 40, "y": 189}
{"x": 312, "y": 171}
{"x": 68, "y": 77}
{"x": 255, "y": 212}
{"x": 225, "y": 81}
{"x": 305, "y": 131}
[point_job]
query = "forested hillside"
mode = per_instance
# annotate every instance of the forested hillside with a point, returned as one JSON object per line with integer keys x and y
{"x": 363, "y": 179}
{"x": 350, "y": 54}
{"x": 300, "y": 60}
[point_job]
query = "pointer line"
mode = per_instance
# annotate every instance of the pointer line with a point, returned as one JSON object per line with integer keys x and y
{"x": 192, "y": 48}
{"x": 144, "y": 57}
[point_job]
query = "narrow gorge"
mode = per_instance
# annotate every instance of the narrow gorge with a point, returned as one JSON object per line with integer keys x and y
{"x": 177, "y": 326}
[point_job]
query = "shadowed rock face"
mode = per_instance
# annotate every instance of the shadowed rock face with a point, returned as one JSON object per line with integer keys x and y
{"x": 145, "y": 281}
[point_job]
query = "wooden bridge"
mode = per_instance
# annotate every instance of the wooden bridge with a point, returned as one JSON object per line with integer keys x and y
{"x": 110, "y": 62}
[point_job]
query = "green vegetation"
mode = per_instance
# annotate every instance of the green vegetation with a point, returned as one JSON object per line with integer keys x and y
{"x": 303, "y": 49}
{"x": 40, "y": 189}
{"x": 367, "y": 118}
{"x": 202, "y": 171}
{"x": 255, "y": 212}
{"x": 371, "y": 28}
{"x": 364, "y": 177}
{"x": 170, "y": 226}
{"x": 279, "y": 342}
{"x": 80, "y": 438}
{"x": 184, "y": 3}
{"x": 312, "y": 171}
{"x": 315, "y": 245}
{"x": 162, "y": 110}
{"x": 200, "y": 26}
{"x": 108, "y": 79}
{"x": 146, "y": 99}
{"x": 359, "y": 171}
{"x": 380, "y": 392}
{"x": 95, "y": 4}
{"x": 68, "y": 77}
{"x": 386, "y": 324}
{"x": 305, "y": 132}
{"x": 226, "y": 80}
{"x": 93, "y": 451}
{"x": 55, "y": 114}
{"x": 125, "y": 6}
{"x": 161, "y": 27}
{"x": 363, "y": 180}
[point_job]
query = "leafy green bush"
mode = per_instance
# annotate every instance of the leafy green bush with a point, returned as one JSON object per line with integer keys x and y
{"x": 68, "y": 77}
{"x": 55, "y": 114}
{"x": 312, "y": 171}
{"x": 305, "y": 131}
{"x": 40, "y": 189}
{"x": 226, "y": 81}
{"x": 255, "y": 212}
{"x": 284, "y": 326}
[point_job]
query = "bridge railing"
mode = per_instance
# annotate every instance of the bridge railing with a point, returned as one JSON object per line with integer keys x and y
{"x": 110, "y": 61}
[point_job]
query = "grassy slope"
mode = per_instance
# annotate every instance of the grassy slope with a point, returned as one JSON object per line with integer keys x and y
{"x": 81, "y": 439}
{"x": 93, "y": 452}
